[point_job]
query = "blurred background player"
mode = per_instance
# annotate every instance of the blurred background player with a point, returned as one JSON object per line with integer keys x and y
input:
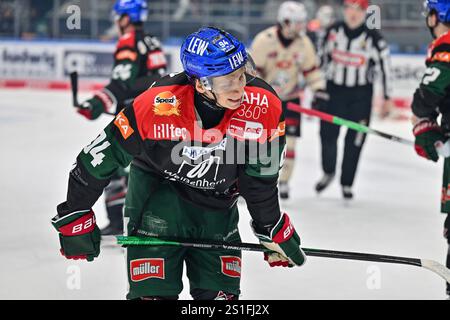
{"x": 138, "y": 62}
{"x": 350, "y": 54}
{"x": 191, "y": 193}
{"x": 317, "y": 28}
{"x": 282, "y": 54}
{"x": 432, "y": 98}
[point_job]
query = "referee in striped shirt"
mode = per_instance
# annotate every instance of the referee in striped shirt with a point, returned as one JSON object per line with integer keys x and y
{"x": 350, "y": 54}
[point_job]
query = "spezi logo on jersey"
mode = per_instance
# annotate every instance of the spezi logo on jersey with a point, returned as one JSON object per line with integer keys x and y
{"x": 166, "y": 104}
{"x": 142, "y": 269}
{"x": 231, "y": 266}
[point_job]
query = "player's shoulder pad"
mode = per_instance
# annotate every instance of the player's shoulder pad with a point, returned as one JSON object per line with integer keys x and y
{"x": 260, "y": 113}
{"x": 127, "y": 40}
{"x": 163, "y": 100}
{"x": 378, "y": 40}
{"x": 267, "y": 34}
{"x": 172, "y": 79}
{"x": 332, "y": 30}
{"x": 335, "y": 26}
{"x": 441, "y": 46}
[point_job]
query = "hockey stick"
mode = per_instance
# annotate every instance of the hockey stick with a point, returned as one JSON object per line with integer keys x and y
{"x": 346, "y": 123}
{"x": 74, "y": 87}
{"x": 423, "y": 263}
{"x": 443, "y": 149}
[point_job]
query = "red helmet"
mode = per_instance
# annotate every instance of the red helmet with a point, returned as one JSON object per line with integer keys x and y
{"x": 363, "y": 4}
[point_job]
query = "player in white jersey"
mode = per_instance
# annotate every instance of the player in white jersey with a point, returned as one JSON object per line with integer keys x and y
{"x": 282, "y": 55}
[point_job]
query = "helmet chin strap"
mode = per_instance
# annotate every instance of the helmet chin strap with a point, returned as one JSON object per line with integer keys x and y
{"x": 212, "y": 103}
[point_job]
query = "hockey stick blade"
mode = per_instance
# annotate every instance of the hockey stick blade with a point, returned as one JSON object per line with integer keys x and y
{"x": 437, "y": 268}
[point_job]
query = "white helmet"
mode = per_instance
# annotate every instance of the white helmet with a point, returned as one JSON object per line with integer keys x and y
{"x": 292, "y": 11}
{"x": 325, "y": 15}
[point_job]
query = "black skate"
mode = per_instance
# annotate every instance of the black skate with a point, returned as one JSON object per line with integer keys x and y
{"x": 347, "y": 192}
{"x": 112, "y": 230}
{"x": 284, "y": 190}
{"x": 324, "y": 182}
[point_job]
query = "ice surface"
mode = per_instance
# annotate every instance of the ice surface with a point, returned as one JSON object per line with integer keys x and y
{"x": 395, "y": 212}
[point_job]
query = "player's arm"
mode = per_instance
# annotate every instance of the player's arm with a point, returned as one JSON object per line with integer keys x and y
{"x": 310, "y": 67}
{"x": 258, "y": 185}
{"x": 326, "y": 47}
{"x": 432, "y": 90}
{"x": 115, "y": 147}
{"x": 258, "y": 52}
{"x": 313, "y": 75}
{"x": 428, "y": 100}
{"x": 126, "y": 77}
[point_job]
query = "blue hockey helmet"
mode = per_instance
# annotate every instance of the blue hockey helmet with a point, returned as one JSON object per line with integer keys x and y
{"x": 137, "y": 10}
{"x": 441, "y": 7}
{"x": 211, "y": 52}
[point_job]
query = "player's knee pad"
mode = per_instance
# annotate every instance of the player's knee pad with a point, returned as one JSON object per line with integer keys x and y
{"x": 203, "y": 294}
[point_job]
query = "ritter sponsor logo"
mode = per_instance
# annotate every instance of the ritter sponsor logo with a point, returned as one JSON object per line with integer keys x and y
{"x": 146, "y": 268}
{"x": 231, "y": 266}
{"x": 169, "y": 131}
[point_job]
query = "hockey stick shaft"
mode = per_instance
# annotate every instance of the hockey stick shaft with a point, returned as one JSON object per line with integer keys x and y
{"x": 74, "y": 87}
{"x": 443, "y": 149}
{"x": 428, "y": 264}
{"x": 346, "y": 123}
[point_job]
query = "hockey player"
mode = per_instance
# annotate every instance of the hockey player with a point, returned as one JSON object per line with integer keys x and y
{"x": 196, "y": 140}
{"x": 283, "y": 53}
{"x": 138, "y": 62}
{"x": 432, "y": 98}
{"x": 317, "y": 28}
{"x": 351, "y": 53}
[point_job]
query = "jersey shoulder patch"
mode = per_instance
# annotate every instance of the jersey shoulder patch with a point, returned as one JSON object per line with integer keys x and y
{"x": 259, "y": 115}
{"x": 439, "y": 50}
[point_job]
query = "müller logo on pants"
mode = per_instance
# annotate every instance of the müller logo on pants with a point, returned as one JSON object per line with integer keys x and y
{"x": 231, "y": 266}
{"x": 142, "y": 269}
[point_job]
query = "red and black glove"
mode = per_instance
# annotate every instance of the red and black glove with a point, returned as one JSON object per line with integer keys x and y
{"x": 427, "y": 133}
{"x": 283, "y": 242}
{"x": 102, "y": 101}
{"x": 79, "y": 235}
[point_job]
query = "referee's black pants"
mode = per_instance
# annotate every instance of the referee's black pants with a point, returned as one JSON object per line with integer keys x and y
{"x": 353, "y": 104}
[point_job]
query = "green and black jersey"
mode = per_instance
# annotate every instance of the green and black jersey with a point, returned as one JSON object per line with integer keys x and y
{"x": 138, "y": 62}
{"x": 162, "y": 134}
{"x": 433, "y": 95}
